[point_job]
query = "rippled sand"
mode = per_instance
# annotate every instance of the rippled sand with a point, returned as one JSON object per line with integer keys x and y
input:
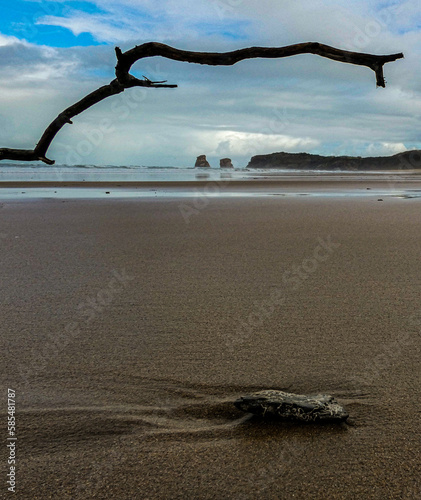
{"x": 128, "y": 329}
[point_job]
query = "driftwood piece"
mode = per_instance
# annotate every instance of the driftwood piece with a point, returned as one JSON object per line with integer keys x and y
{"x": 288, "y": 406}
{"x": 125, "y": 80}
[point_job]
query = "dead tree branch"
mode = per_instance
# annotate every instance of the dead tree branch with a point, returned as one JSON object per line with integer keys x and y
{"x": 125, "y": 80}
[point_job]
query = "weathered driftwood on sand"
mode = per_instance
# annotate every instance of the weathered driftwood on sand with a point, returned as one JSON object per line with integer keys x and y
{"x": 286, "y": 406}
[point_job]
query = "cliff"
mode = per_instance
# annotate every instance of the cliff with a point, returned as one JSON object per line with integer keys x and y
{"x": 304, "y": 161}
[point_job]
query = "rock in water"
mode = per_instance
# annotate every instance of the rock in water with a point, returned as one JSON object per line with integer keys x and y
{"x": 201, "y": 161}
{"x": 286, "y": 406}
{"x": 226, "y": 163}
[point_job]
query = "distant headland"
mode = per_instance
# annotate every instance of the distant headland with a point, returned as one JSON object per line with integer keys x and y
{"x": 408, "y": 160}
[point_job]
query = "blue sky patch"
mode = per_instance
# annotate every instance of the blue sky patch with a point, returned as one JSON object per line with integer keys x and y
{"x": 20, "y": 19}
{"x": 229, "y": 30}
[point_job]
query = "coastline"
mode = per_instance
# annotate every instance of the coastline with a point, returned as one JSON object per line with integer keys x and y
{"x": 259, "y": 183}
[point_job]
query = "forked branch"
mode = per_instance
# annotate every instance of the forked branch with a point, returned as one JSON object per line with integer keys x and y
{"x": 125, "y": 80}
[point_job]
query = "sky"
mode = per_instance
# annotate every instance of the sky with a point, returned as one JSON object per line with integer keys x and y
{"x": 52, "y": 53}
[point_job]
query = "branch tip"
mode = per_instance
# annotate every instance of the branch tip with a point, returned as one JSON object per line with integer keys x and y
{"x": 151, "y": 82}
{"x": 46, "y": 160}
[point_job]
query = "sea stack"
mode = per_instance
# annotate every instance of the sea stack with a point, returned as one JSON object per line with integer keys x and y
{"x": 201, "y": 161}
{"x": 226, "y": 163}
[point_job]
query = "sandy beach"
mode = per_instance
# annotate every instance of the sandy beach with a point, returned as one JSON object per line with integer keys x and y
{"x": 129, "y": 326}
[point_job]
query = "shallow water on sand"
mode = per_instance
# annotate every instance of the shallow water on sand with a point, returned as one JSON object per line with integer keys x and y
{"x": 121, "y": 192}
{"x": 25, "y": 183}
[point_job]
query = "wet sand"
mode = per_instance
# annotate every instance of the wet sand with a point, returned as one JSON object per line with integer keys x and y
{"x": 128, "y": 329}
{"x": 250, "y": 183}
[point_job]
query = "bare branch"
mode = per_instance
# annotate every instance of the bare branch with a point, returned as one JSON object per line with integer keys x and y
{"x": 151, "y": 49}
{"x": 23, "y": 155}
{"x": 125, "y": 80}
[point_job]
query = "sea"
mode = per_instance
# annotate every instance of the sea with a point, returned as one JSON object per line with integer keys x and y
{"x": 25, "y": 172}
{"x": 212, "y": 178}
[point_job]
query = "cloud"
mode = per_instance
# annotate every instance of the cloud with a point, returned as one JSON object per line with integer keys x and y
{"x": 117, "y": 22}
{"x": 23, "y": 63}
{"x": 302, "y": 103}
{"x": 234, "y": 143}
{"x": 8, "y": 40}
{"x": 386, "y": 148}
{"x": 101, "y": 27}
